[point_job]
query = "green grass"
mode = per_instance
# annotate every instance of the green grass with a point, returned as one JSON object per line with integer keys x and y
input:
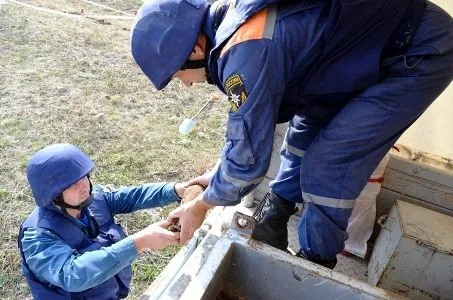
{"x": 3, "y": 143}
{"x": 149, "y": 266}
{"x": 63, "y": 80}
{"x": 13, "y": 125}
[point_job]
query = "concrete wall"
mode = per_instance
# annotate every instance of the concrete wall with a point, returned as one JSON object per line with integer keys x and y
{"x": 433, "y": 132}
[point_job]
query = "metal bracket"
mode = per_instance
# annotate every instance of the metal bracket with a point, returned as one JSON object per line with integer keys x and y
{"x": 242, "y": 225}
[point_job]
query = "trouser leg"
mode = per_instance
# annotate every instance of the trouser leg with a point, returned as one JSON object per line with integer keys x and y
{"x": 279, "y": 203}
{"x": 344, "y": 154}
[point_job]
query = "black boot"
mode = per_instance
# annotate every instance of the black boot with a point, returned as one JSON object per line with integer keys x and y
{"x": 325, "y": 263}
{"x": 272, "y": 216}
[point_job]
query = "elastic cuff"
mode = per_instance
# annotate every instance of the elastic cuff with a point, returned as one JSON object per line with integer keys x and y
{"x": 176, "y": 193}
{"x": 170, "y": 192}
{"x": 208, "y": 198}
{"x": 124, "y": 251}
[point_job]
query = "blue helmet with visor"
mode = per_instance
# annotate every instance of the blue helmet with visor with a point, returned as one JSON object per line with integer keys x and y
{"x": 164, "y": 34}
{"x": 53, "y": 169}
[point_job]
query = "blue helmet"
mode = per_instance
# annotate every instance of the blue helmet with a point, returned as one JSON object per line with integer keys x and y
{"x": 164, "y": 34}
{"x": 55, "y": 168}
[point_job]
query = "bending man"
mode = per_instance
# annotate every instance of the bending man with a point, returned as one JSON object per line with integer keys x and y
{"x": 349, "y": 76}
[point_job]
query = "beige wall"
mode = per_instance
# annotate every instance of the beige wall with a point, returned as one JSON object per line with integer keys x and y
{"x": 433, "y": 132}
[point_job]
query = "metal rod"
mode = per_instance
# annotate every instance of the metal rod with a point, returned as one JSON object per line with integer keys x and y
{"x": 201, "y": 109}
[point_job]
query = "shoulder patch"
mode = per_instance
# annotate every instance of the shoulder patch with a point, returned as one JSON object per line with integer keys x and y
{"x": 236, "y": 91}
{"x": 258, "y": 26}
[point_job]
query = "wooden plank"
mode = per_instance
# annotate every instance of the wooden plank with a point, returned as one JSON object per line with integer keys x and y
{"x": 386, "y": 199}
{"x": 422, "y": 182}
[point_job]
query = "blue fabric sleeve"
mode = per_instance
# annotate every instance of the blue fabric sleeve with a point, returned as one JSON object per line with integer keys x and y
{"x": 54, "y": 261}
{"x": 129, "y": 199}
{"x": 254, "y": 68}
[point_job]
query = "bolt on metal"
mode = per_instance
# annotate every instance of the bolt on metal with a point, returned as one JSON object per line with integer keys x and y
{"x": 242, "y": 222}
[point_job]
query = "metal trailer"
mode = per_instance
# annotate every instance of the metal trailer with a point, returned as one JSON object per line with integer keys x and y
{"x": 222, "y": 262}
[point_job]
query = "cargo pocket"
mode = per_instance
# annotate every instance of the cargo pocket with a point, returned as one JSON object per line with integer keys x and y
{"x": 238, "y": 147}
{"x": 411, "y": 62}
{"x": 403, "y": 65}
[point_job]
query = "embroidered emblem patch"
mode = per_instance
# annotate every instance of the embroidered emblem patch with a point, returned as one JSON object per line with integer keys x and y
{"x": 236, "y": 92}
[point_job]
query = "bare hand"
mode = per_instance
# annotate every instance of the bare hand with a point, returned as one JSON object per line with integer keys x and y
{"x": 188, "y": 192}
{"x": 191, "y": 216}
{"x": 180, "y": 188}
{"x": 202, "y": 180}
{"x": 205, "y": 178}
{"x": 192, "y": 192}
{"x": 155, "y": 237}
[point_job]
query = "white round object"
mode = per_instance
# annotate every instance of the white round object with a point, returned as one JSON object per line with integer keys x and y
{"x": 186, "y": 126}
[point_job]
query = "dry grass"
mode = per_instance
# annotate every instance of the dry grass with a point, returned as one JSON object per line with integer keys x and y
{"x": 63, "y": 80}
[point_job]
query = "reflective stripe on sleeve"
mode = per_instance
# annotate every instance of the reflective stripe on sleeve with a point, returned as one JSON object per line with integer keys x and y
{"x": 239, "y": 182}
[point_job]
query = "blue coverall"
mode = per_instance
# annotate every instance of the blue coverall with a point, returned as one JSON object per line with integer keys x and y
{"x": 335, "y": 138}
{"x": 53, "y": 261}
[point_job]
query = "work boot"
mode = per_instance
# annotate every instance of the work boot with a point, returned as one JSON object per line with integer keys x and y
{"x": 325, "y": 263}
{"x": 272, "y": 216}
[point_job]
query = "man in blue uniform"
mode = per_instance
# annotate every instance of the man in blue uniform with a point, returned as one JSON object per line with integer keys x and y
{"x": 71, "y": 246}
{"x": 349, "y": 76}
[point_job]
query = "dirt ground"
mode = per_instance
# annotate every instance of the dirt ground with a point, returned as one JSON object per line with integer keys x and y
{"x": 67, "y": 78}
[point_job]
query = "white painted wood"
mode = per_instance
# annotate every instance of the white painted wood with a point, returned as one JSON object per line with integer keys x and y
{"x": 413, "y": 254}
{"x": 425, "y": 183}
{"x": 386, "y": 243}
{"x": 386, "y": 199}
{"x": 433, "y": 228}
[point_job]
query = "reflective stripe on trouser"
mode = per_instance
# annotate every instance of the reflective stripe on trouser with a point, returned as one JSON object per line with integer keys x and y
{"x": 302, "y": 129}
{"x": 344, "y": 153}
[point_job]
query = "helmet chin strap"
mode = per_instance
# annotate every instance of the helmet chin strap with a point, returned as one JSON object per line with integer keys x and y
{"x": 201, "y": 63}
{"x": 60, "y": 201}
{"x": 194, "y": 64}
{"x": 82, "y": 205}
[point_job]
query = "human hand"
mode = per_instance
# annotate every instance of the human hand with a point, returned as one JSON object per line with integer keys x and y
{"x": 191, "y": 215}
{"x": 188, "y": 192}
{"x": 192, "y": 192}
{"x": 202, "y": 180}
{"x": 155, "y": 237}
{"x": 180, "y": 189}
